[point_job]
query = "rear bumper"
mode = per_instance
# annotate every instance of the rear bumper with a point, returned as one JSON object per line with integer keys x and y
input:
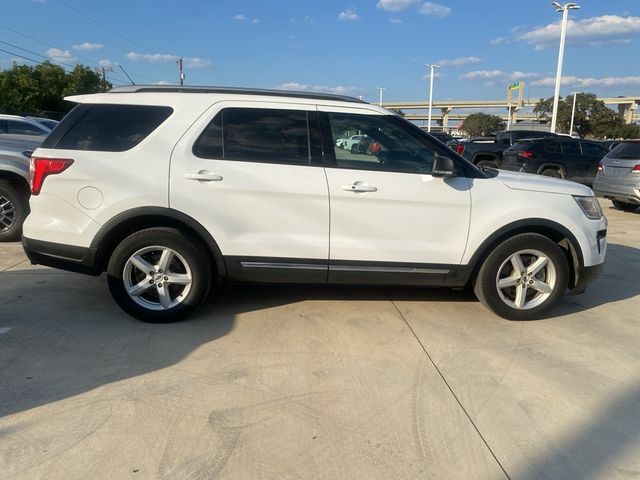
{"x": 623, "y": 193}
{"x": 64, "y": 257}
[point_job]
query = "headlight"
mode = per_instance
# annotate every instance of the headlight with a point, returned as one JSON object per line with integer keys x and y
{"x": 589, "y": 206}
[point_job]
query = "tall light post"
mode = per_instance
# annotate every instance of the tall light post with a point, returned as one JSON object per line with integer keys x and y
{"x": 573, "y": 113}
{"x": 381, "y": 90}
{"x": 563, "y": 31}
{"x": 432, "y": 67}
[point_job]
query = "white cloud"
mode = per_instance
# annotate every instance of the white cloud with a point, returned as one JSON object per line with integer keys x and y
{"x": 107, "y": 63}
{"x": 88, "y": 46}
{"x": 607, "y": 29}
{"x": 497, "y": 41}
{"x": 590, "y": 82}
{"x": 301, "y": 87}
{"x": 349, "y": 15}
{"x": 243, "y": 18}
{"x": 63, "y": 56}
{"x": 435, "y": 9}
{"x": 459, "y": 62}
{"x": 496, "y": 77}
{"x": 196, "y": 62}
{"x": 395, "y": 21}
{"x": 395, "y": 5}
{"x": 193, "y": 62}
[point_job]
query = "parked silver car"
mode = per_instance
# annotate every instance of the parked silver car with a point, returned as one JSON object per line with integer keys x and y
{"x": 15, "y": 154}
{"x": 618, "y": 176}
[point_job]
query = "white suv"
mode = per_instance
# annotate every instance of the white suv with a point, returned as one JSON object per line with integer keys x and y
{"x": 173, "y": 189}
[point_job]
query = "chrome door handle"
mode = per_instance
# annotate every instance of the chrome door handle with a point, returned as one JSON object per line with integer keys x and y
{"x": 203, "y": 176}
{"x": 357, "y": 187}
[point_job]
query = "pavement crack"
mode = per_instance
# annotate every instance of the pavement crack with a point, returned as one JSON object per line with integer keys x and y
{"x": 453, "y": 393}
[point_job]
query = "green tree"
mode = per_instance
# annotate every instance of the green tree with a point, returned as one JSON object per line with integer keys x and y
{"x": 592, "y": 116}
{"x": 482, "y": 124}
{"x": 32, "y": 90}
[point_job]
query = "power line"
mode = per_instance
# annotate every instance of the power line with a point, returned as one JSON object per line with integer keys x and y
{"x": 93, "y": 62}
{"x": 17, "y": 55}
{"x": 37, "y": 54}
{"x": 79, "y": 12}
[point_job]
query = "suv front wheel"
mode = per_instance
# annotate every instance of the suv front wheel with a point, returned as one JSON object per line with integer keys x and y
{"x": 523, "y": 278}
{"x": 159, "y": 275}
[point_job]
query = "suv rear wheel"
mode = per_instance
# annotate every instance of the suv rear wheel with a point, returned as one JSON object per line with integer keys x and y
{"x": 523, "y": 278}
{"x": 14, "y": 207}
{"x": 159, "y": 275}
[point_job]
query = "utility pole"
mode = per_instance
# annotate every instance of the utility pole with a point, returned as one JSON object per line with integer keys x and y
{"x": 381, "y": 90}
{"x": 181, "y": 71}
{"x": 104, "y": 71}
{"x": 432, "y": 67}
{"x": 573, "y": 113}
{"x": 563, "y": 31}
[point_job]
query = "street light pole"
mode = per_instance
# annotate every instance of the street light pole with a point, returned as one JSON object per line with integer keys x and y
{"x": 432, "y": 67}
{"x": 563, "y": 31}
{"x": 381, "y": 89}
{"x": 573, "y": 112}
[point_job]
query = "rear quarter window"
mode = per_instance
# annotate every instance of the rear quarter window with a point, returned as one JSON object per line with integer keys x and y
{"x": 107, "y": 128}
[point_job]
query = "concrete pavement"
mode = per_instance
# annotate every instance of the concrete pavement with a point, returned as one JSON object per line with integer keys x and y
{"x": 320, "y": 382}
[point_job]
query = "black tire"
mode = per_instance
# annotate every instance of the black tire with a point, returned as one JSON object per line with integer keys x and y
{"x": 625, "y": 206}
{"x": 14, "y": 208}
{"x": 487, "y": 163}
{"x": 498, "y": 263}
{"x": 551, "y": 172}
{"x": 354, "y": 148}
{"x": 189, "y": 259}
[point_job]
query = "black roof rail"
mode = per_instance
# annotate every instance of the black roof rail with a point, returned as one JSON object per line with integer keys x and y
{"x": 233, "y": 90}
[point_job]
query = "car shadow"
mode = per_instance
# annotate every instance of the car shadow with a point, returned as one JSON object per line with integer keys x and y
{"x": 618, "y": 281}
{"x": 62, "y": 335}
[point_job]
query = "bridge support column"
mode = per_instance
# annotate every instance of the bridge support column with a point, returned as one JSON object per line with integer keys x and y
{"x": 626, "y": 111}
{"x": 445, "y": 118}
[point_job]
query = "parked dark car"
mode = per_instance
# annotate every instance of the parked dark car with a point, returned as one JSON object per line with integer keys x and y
{"x": 444, "y": 137}
{"x": 485, "y": 152}
{"x": 619, "y": 176}
{"x": 559, "y": 157}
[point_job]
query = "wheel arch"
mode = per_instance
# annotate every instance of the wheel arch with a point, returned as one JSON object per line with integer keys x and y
{"x": 548, "y": 228}
{"x": 554, "y": 166}
{"x": 16, "y": 180}
{"x": 134, "y": 220}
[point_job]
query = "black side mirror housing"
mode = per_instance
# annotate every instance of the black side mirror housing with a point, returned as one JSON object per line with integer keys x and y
{"x": 443, "y": 167}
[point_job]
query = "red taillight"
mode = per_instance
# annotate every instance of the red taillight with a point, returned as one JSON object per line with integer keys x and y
{"x": 41, "y": 167}
{"x": 636, "y": 169}
{"x": 527, "y": 154}
{"x": 601, "y": 167}
{"x": 460, "y": 148}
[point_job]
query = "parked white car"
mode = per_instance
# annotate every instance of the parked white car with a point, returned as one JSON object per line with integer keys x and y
{"x": 351, "y": 141}
{"x": 170, "y": 189}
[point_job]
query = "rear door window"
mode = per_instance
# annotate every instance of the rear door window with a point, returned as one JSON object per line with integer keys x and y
{"x": 108, "y": 128}
{"x": 23, "y": 128}
{"x": 571, "y": 148}
{"x": 593, "y": 150}
{"x": 260, "y": 135}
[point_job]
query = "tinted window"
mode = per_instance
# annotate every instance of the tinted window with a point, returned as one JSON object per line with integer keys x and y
{"x": 593, "y": 150}
{"x": 384, "y": 145}
{"x": 111, "y": 128}
{"x": 209, "y": 145}
{"x": 552, "y": 147}
{"x": 571, "y": 148}
{"x": 23, "y": 128}
{"x": 628, "y": 150}
{"x": 266, "y": 135}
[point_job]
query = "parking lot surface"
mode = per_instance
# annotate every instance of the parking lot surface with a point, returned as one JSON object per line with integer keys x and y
{"x": 320, "y": 382}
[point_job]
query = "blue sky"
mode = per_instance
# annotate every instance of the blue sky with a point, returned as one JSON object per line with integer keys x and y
{"x": 349, "y": 47}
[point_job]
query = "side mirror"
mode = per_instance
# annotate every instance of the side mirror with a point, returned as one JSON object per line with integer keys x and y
{"x": 443, "y": 167}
